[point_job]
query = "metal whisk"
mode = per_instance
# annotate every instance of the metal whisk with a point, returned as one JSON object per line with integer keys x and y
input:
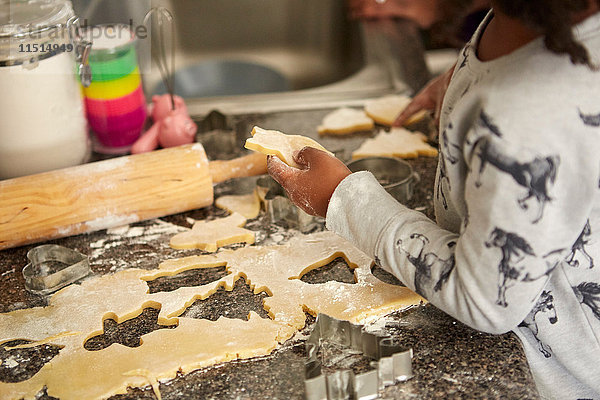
{"x": 163, "y": 36}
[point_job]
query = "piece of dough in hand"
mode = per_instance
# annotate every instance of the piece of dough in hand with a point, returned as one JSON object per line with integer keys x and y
{"x": 279, "y": 144}
{"x": 344, "y": 121}
{"x": 209, "y": 236}
{"x": 399, "y": 142}
{"x": 247, "y": 205}
{"x": 386, "y": 109}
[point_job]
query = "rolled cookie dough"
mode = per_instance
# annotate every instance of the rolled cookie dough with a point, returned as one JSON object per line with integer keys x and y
{"x": 76, "y": 314}
{"x": 279, "y": 144}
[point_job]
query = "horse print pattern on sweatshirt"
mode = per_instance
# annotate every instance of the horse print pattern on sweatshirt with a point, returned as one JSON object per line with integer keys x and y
{"x": 588, "y": 293}
{"x": 544, "y": 305}
{"x": 579, "y": 248}
{"x": 426, "y": 263}
{"x": 592, "y": 120}
{"x": 536, "y": 175}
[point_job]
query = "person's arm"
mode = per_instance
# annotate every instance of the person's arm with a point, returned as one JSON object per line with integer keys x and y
{"x": 491, "y": 274}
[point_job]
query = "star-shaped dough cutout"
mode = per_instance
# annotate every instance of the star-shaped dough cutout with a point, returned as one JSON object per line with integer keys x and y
{"x": 211, "y": 235}
{"x": 385, "y": 110}
{"x": 399, "y": 142}
{"x": 279, "y": 144}
{"x": 344, "y": 121}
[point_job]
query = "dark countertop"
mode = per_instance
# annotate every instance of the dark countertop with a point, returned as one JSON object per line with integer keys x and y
{"x": 451, "y": 360}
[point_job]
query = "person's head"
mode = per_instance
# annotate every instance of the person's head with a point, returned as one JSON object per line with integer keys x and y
{"x": 449, "y": 28}
{"x": 554, "y": 20}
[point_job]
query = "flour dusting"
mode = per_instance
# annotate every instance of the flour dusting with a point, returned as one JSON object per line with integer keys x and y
{"x": 111, "y": 220}
{"x": 377, "y": 324}
{"x": 143, "y": 244}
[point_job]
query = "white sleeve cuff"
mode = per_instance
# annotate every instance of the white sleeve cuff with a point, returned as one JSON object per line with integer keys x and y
{"x": 359, "y": 210}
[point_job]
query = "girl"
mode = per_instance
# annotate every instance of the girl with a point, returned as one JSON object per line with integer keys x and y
{"x": 517, "y": 193}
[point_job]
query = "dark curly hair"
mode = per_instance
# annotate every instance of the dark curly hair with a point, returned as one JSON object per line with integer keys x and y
{"x": 551, "y": 18}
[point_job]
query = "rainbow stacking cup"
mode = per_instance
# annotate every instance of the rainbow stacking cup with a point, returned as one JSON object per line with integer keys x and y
{"x": 115, "y": 103}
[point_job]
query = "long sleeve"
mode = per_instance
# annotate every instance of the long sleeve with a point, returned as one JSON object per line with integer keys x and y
{"x": 491, "y": 274}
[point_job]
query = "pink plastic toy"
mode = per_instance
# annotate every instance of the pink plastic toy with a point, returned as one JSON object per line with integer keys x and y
{"x": 172, "y": 127}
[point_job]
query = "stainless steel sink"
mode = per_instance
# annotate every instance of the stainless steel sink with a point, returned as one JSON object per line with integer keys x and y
{"x": 324, "y": 58}
{"x": 311, "y": 42}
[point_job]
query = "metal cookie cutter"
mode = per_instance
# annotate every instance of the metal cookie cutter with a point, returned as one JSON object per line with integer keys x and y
{"x": 395, "y": 175}
{"x": 280, "y": 208}
{"x": 52, "y": 267}
{"x": 237, "y": 186}
{"x": 394, "y": 363}
{"x": 220, "y": 136}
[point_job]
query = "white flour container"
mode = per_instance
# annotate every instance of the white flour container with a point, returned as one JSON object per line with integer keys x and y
{"x": 42, "y": 119}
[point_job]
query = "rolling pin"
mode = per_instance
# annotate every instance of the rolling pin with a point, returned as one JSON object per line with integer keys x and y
{"x": 113, "y": 192}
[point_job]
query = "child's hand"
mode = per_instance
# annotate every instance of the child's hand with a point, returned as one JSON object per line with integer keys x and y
{"x": 429, "y": 98}
{"x": 311, "y": 186}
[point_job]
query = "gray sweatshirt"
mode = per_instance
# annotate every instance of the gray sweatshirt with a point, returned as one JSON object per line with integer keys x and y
{"x": 517, "y": 199}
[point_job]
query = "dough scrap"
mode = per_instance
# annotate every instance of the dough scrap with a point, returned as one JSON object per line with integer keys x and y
{"x": 279, "y": 144}
{"x": 194, "y": 343}
{"x": 151, "y": 380}
{"x": 247, "y": 205}
{"x": 399, "y": 142}
{"x": 344, "y": 121}
{"x": 384, "y": 110}
{"x": 211, "y": 235}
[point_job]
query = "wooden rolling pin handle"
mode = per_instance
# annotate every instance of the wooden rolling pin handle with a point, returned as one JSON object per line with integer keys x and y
{"x": 250, "y": 165}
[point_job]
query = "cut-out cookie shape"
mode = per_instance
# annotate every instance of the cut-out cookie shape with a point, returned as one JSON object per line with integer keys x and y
{"x": 211, "y": 235}
{"x": 127, "y": 333}
{"x": 337, "y": 270}
{"x": 76, "y": 313}
{"x": 386, "y": 109}
{"x": 344, "y": 121}
{"x": 235, "y": 303}
{"x": 17, "y": 364}
{"x": 247, "y": 205}
{"x": 189, "y": 278}
{"x": 399, "y": 142}
{"x": 279, "y": 144}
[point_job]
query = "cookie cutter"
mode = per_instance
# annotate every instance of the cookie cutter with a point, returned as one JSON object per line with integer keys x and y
{"x": 222, "y": 136}
{"x": 395, "y": 175}
{"x": 237, "y": 186}
{"x": 393, "y": 362}
{"x": 280, "y": 208}
{"x": 52, "y": 267}
{"x": 216, "y": 136}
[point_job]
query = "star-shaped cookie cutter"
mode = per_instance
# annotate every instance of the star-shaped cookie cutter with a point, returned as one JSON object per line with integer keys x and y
{"x": 394, "y": 362}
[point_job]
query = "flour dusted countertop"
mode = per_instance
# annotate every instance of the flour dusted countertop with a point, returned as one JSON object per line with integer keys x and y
{"x": 450, "y": 359}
